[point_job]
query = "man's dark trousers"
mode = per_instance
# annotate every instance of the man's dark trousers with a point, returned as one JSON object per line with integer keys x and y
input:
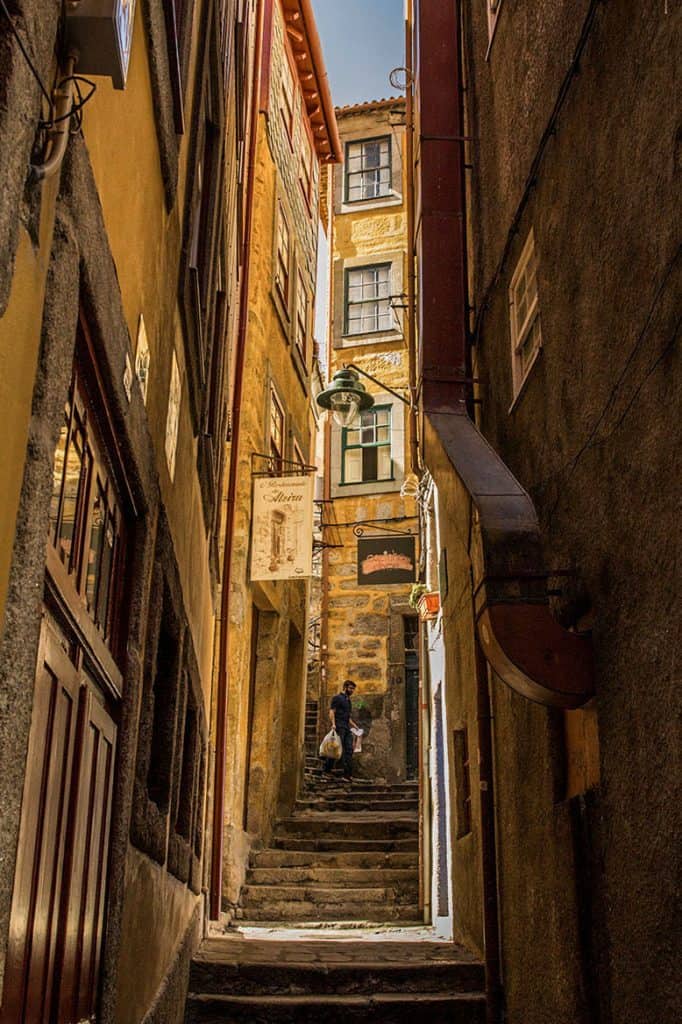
{"x": 346, "y": 737}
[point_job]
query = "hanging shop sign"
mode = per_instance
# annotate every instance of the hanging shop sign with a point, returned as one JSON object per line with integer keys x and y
{"x": 383, "y": 560}
{"x": 282, "y": 527}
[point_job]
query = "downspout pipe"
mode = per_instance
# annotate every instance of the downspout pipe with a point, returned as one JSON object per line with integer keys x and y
{"x": 215, "y": 902}
{"x": 58, "y": 137}
{"x": 519, "y": 637}
{"x": 409, "y": 195}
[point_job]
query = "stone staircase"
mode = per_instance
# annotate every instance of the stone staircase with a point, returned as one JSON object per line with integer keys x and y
{"x": 345, "y": 854}
{"x": 390, "y": 980}
{"x": 323, "y": 933}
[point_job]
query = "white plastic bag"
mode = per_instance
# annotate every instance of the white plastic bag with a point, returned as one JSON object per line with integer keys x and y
{"x": 331, "y": 745}
{"x": 357, "y": 739}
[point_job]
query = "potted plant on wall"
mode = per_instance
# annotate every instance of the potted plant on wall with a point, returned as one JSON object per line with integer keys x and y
{"x": 425, "y": 601}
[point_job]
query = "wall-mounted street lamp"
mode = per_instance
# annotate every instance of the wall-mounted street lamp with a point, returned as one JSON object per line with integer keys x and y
{"x": 346, "y": 396}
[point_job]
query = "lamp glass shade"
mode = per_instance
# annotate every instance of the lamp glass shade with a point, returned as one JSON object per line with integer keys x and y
{"x": 344, "y": 406}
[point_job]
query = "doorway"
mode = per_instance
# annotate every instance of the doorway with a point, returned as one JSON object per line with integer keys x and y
{"x": 411, "y": 635}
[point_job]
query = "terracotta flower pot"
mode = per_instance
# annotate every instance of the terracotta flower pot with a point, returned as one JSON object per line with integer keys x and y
{"x": 428, "y": 606}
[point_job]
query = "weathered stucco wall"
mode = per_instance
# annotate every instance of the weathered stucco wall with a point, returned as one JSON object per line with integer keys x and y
{"x": 266, "y": 704}
{"x": 104, "y": 233}
{"x": 592, "y": 439}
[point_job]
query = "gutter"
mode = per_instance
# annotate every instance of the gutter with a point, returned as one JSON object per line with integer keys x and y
{"x": 520, "y": 639}
{"x": 215, "y": 902}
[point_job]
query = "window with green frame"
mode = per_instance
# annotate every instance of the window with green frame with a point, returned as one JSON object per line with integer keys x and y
{"x": 366, "y": 448}
{"x": 368, "y": 169}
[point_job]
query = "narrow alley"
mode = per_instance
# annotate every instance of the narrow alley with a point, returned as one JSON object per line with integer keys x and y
{"x": 339, "y": 526}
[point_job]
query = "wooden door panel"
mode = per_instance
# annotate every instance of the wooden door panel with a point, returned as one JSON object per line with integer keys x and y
{"x": 33, "y": 937}
{"x": 88, "y": 871}
{"x": 59, "y": 897}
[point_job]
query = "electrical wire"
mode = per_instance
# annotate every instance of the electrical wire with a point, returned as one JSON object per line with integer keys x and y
{"x": 25, "y": 53}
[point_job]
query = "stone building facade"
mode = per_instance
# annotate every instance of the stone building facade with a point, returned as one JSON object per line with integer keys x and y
{"x": 559, "y": 158}
{"x": 118, "y": 302}
{"x": 266, "y": 653}
{"x": 368, "y": 627}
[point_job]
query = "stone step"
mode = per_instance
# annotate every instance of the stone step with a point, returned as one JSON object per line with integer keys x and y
{"x": 342, "y": 895}
{"x": 215, "y": 977}
{"x": 309, "y": 911}
{"x": 342, "y": 845}
{"x": 330, "y": 826}
{"x": 311, "y": 859}
{"x": 352, "y": 877}
{"x": 360, "y": 802}
{"x": 382, "y": 1008}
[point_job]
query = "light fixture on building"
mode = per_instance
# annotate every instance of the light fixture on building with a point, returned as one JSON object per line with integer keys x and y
{"x": 345, "y": 397}
{"x": 102, "y": 32}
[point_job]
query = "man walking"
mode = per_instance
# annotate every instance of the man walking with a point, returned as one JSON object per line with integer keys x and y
{"x": 340, "y": 717}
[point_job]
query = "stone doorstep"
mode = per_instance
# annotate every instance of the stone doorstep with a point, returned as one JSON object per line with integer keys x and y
{"x": 388, "y": 1008}
{"x": 306, "y": 859}
{"x": 427, "y": 999}
{"x": 353, "y": 876}
{"x": 445, "y": 976}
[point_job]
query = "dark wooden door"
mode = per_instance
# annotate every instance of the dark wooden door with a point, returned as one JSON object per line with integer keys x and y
{"x": 60, "y": 880}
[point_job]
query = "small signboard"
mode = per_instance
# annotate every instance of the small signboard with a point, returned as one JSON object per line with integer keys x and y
{"x": 282, "y": 527}
{"x": 383, "y": 560}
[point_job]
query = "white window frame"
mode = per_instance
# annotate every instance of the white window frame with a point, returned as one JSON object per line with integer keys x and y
{"x": 301, "y": 323}
{"x": 287, "y": 104}
{"x": 363, "y": 171}
{"x": 521, "y": 330}
{"x": 380, "y": 303}
{"x": 283, "y": 257}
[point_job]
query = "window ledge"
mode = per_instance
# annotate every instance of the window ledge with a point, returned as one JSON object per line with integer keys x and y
{"x": 359, "y": 205}
{"x": 373, "y": 338}
{"x": 522, "y": 386}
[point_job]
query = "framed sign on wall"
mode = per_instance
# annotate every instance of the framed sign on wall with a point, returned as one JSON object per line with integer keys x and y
{"x": 383, "y": 560}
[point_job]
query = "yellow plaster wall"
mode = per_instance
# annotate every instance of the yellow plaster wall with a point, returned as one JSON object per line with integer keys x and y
{"x": 19, "y": 344}
{"x": 268, "y": 356}
{"x": 120, "y": 133}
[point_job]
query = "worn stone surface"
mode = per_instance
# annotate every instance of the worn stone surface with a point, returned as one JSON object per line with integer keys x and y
{"x": 385, "y": 975}
{"x": 586, "y": 884}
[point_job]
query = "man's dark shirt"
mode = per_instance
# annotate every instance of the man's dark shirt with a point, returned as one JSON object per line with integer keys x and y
{"x": 341, "y": 706}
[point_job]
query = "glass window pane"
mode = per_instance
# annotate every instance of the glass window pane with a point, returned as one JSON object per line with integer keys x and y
{"x": 383, "y": 416}
{"x": 71, "y": 494}
{"x": 372, "y": 154}
{"x": 95, "y": 549}
{"x": 105, "y": 575}
{"x": 353, "y": 466}
{"x": 383, "y": 435}
{"x": 384, "y": 462}
{"x": 57, "y": 477}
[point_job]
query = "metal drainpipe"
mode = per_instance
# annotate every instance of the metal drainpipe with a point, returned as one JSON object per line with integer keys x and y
{"x": 59, "y": 135}
{"x": 322, "y": 718}
{"x": 221, "y": 703}
{"x": 411, "y": 271}
{"x": 491, "y": 919}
